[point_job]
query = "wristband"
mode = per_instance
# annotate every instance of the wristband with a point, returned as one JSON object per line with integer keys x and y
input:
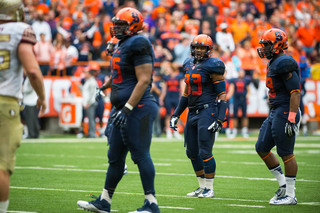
{"x": 292, "y": 117}
{"x": 129, "y": 106}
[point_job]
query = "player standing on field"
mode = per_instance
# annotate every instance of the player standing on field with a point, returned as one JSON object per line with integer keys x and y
{"x": 16, "y": 51}
{"x": 135, "y": 110}
{"x": 205, "y": 96}
{"x": 282, "y": 125}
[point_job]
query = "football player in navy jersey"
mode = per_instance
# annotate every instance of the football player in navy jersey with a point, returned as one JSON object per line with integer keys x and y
{"x": 281, "y": 126}
{"x": 134, "y": 111}
{"x": 240, "y": 90}
{"x": 205, "y": 96}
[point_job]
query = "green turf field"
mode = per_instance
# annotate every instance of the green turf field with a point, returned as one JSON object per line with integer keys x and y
{"x": 52, "y": 174}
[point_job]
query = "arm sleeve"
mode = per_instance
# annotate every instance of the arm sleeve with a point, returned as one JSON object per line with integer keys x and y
{"x": 183, "y": 103}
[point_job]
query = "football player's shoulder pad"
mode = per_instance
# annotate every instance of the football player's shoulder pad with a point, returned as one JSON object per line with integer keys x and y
{"x": 140, "y": 45}
{"x": 285, "y": 64}
{"x": 214, "y": 65}
{"x": 186, "y": 62}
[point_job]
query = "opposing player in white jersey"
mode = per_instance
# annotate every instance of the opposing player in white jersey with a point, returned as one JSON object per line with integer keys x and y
{"x": 16, "y": 52}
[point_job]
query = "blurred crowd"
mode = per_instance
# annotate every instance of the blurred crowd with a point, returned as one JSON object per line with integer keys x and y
{"x": 73, "y": 33}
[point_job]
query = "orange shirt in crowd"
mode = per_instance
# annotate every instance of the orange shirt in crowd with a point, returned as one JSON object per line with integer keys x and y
{"x": 220, "y": 4}
{"x": 260, "y": 5}
{"x": 221, "y": 18}
{"x": 239, "y": 31}
{"x": 306, "y": 36}
{"x": 93, "y": 6}
{"x": 249, "y": 58}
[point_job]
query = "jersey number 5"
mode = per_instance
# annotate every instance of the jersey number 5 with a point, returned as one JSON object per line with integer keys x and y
{"x": 115, "y": 66}
{"x": 196, "y": 79}
{"x": 4, "y": 54}
{"x": 272, "y": 93}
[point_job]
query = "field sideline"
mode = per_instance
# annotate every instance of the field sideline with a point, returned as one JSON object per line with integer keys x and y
{"x": 53, "y": 173}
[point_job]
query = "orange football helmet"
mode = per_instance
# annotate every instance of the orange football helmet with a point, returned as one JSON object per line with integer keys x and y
{"x": 201, "y": 41}
{"x": 111, "y": 45}
{"x": 127, "y": 21}
{"x": 273, "y": 42}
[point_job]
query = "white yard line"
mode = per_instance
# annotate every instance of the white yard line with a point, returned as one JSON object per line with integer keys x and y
{"x": 20, "y": 211}
{"x": 251, "y": 206}
{"x": 172, "y": 207}
{"x": 104, "y": 140}
{"x": 158, "y": 173}
{"x": 141, "y": 194}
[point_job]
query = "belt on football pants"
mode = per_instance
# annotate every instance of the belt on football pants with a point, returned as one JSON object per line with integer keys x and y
{"x": 197, "y": 109}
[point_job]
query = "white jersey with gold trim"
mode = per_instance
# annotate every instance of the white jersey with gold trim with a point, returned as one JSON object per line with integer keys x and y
{"x": 11, "y": 72}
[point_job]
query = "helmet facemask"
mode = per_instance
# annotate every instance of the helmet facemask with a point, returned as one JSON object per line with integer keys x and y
{"x": 119, "y": 29}
{"x": 267, "y": 50}
{"x": 200, "y": 51}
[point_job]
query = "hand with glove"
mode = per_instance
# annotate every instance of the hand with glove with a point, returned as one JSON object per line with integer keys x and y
{"x": 99, "y": 93}
{"x": 216, "y": 126}
{"x": 291, "y": 128}
{"x": 119, "y": 119}
{"x": 173, "y": 122}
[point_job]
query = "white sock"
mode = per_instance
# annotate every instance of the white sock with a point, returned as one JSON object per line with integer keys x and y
{"x": 278, "y": 174}
{"x": 290, "y": 186}
{"x": 202, "y": 182}
{"x": 234, "y": 132}
{"x": 209, "y": 183}
{"x": 151, "y": 198}
{"x": 105, "y": 195}
{"x": 4, "y": 206}
{"x": 244, "y": 130}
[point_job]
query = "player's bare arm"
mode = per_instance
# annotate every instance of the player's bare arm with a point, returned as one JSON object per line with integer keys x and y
{"x": 30, "y": 64}
{"x": 143, "y": 74}
{"x": 294, "y": 98}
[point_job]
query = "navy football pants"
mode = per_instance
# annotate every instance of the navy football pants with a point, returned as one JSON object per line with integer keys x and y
{"x": 272, "y": 133}
{"x": 136, "y": 138}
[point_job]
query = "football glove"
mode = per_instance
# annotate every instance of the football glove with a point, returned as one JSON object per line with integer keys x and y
{"x": 99, "y": 93}
{"x": 120, "y": 118}
{"x": 291, "y": 129}
{"x": 216, "y": 126}
{"x": 173, "y": 122}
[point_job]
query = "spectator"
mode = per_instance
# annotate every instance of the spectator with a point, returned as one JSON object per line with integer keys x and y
{"x": 224, "y": 39}
{"x": 89, "y": 102}
{"x": 182, "y": 50}
{"x": 240, "y": 30}
{"x": 249, "y": 59}
{"x": 58, "y": 56}
{"x": 71, "y": 56}
{"x": 40, "y": 26}
{"x": 306, "y": 35}
{"x": 43, "y": 50}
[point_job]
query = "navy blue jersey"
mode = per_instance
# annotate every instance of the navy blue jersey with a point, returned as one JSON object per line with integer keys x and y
{"x": 240, "y": 86}
{"x": 276, "y": 69}
{"x": 197, "y": 77}
{"x": 173, "y": 84}
{"x": 131, "y": 52}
